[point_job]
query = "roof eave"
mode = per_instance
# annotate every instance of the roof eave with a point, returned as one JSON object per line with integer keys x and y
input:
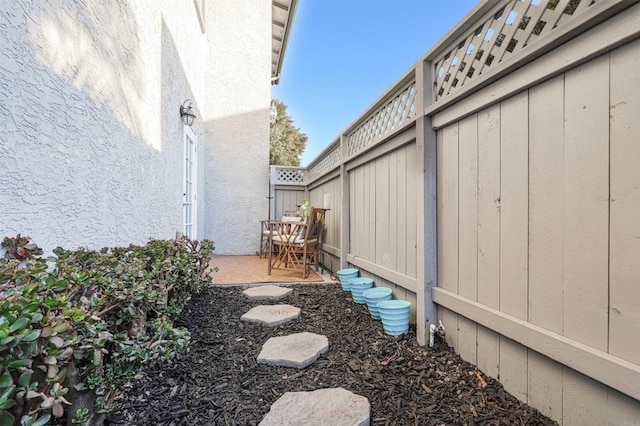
{"x": 275, "y": 73}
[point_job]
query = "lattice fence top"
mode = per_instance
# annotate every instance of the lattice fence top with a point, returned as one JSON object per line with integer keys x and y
{"x": 287, "y": 176}
{"x": 329, "y": 161}
{"x": 510, "y": 28}
{"x": 391, "y": 116}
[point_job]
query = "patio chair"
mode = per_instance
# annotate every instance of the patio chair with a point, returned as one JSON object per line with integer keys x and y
{"x": 265, "y": 231}
{"x": 299, "y": 246}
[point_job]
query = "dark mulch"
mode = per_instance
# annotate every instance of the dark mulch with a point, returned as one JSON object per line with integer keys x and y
{"x": 219, "y": 382}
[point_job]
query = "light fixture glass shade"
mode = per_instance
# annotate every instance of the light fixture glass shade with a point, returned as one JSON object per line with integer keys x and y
{"x": 186, "y": 113}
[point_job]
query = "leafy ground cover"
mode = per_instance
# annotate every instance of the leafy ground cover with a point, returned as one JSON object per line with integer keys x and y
{"x": 218, "y": 382}
{"x": 77, "y": 325}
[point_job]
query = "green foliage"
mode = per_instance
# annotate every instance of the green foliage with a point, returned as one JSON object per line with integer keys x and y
{"x": 287, "y": 142}
{"x": 84, "y": 323}
{"x": 19, "y": 248}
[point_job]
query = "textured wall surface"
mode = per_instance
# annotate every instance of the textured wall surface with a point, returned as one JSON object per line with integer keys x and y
{"x": 237, "y": 119}
{"x": 91, "y": 143}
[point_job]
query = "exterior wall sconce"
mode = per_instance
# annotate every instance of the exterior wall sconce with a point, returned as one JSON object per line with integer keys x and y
{"x": 186, "y": 114}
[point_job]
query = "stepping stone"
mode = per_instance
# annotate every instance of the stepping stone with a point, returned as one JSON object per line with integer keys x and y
{"x": 267, "y": 292}
{"x": 271, "y": 315}
{"x": 334, "y": 406}
{"x": 296, "y": 350}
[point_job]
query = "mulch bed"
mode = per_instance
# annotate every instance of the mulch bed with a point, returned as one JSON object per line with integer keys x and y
{"x": 219, "y": 382}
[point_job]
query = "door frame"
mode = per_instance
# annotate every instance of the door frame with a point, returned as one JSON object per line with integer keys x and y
{"x": 190, "y": 152}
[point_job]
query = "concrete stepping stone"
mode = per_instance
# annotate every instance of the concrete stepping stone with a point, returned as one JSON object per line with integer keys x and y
{"x": 334, "y": 406}
{"x": 296, "y": 350}
{"x": 271, "y": 315}
{"x": 267, "y": 292}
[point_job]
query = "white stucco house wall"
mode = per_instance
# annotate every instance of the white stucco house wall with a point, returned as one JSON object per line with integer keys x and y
{"x": 92, "y": 147}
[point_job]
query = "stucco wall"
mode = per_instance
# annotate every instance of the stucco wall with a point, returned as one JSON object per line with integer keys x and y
{"x": 237, "y": 120}
{"x": 91, "y": 145}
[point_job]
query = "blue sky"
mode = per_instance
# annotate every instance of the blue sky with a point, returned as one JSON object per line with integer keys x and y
{"x": 343, "y": 54}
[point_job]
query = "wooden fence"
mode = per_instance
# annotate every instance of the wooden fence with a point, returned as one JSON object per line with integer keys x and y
{"x": 286, "y": 190}
{"x": 370, "y": 179}
{"x": 496, "y": 185}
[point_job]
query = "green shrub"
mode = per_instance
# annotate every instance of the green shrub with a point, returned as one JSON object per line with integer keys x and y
{"x": 76, "y": 326}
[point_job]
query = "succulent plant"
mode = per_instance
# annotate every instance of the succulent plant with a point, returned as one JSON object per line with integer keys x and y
{"x": 73, "y": 330}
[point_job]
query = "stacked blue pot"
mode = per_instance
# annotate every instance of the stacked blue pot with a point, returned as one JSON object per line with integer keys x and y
{"x": 375, "y": 295}
{"x": 358, "y": 286}
{"x": 344, "y": 275}
{"x": 395, "y": 316}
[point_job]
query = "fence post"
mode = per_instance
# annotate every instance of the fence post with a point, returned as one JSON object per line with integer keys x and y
{"x": 305, "y": 180}
{"x": 344, "y": 202}
{"x": 427, "y": 229}
{"x": 272, "y": 192}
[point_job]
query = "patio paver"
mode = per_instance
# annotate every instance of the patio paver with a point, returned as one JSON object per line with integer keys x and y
{"x": 267, "y": 292}
{"x": 333, "y": 406}
{"x": 295, "y": 350}
{"x": 271, "y": 315}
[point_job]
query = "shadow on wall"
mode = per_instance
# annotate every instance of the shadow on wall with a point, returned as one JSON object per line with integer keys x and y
{"x": 96, "y": 45}
{"x": 175, "y": 87}
{"x": 74, "y": 172}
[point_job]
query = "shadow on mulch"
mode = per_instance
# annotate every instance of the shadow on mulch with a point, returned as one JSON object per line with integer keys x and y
{"x": 219, "y": 382}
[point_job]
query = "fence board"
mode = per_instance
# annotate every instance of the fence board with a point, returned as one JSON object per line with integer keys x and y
{"x": 382, "y": 212}
{"x": 413, "y": 174}
{"x": 513, "y": 367}
{"x": 372, "y": 188}
{"x": 545, "y": 385}
{"x": 392, "y": 241}
{"x": 447, "y": 247}
{"x": 286, "y": 199}
{"x": 355, "y": 205}
{"x": 488, "y": 199}
{"x": 586, "y": 188}
{"x": 363, "y": 194}
{"x": 489, "y": 206}
{"x": 401, "y": 212}
{"x": 514, "y": 205}
{"x": 411, "y": 297}
{"x": 546, "y": 163}
{"x": 468, "y": 229}
{"x": 450, "y": 321}
{"x": 368, "y": 241}
{"x": 448, "y": 206}
{"x": 332, "y": 218}
{"x": 468, "y": 207}
{"x": 583, "y": 399}
{"x": 488, "y": 352}
{"x": 467, "y": 339}
{"x": 621, "y": 409}
{"x": 336, "y": 215}
{"x": 624, "y": 238}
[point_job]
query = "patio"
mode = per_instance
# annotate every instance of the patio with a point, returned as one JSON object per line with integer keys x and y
{"x": 242, "y": 270}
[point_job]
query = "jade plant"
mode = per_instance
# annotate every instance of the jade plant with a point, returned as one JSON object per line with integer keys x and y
{"x": 75, "y": 327}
